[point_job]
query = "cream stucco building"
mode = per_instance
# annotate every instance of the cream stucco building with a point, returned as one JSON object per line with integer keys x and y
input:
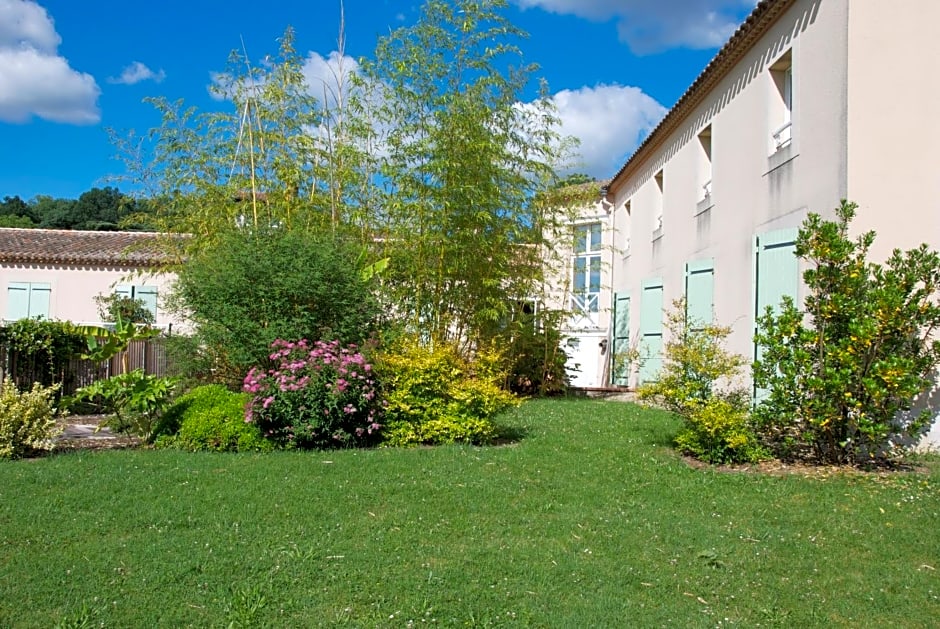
{"x": 809, "y": 102}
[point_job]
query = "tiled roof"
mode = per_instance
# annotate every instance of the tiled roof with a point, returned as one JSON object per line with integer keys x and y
{"x": 757, "y": 23}
{"x": 56, "y": 246}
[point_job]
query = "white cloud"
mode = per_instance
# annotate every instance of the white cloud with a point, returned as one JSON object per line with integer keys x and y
{"x": 137, "y": 72}
{"x": 649, "y": 26}
{"x": 609, "y": 120}
{"x": 325, "y": 76}
{"x": 34, "y": 79}
{"x": 26, "y": 24}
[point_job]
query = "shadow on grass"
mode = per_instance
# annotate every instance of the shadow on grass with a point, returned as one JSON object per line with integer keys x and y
{"x": 509, "y": 434}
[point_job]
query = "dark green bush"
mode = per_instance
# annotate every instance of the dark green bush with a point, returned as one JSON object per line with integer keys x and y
{"x": 253, "y": 287}
{"x": 536, "y": 360}
{"x": 212, "y": 418}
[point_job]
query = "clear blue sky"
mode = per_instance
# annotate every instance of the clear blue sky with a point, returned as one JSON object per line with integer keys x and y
{"x": 72, "y": 69}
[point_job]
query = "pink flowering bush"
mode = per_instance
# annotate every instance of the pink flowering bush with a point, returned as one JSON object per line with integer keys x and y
{"x": 317, "y": 395}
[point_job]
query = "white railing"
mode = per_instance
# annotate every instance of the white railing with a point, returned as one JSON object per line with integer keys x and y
{"x": 584, "y": 303}
{"x": 783, "y": 135}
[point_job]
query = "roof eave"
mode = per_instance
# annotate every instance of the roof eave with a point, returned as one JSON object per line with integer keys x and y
{"x": 764, "y": 15}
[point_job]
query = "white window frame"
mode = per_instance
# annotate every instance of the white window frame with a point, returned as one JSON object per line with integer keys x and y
{"x": 658, "y": 179}
{"x": 781, "y": 74}
{"x": 585, "y": 260}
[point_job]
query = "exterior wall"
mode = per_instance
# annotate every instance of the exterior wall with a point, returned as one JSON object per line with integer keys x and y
{"x": 74, "y": 289}
{"x": 893, "y": 122}
{"x": 755, "y": 190}
{"x": 894, "y": 127}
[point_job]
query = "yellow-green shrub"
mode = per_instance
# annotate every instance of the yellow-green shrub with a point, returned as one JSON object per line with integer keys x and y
{"x": 719, "y": 431}
{"x": 435, "y": 395}
{"x": 26, "y": 419}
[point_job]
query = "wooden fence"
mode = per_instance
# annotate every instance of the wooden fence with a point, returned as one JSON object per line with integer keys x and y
{"x": 74, "y": 373}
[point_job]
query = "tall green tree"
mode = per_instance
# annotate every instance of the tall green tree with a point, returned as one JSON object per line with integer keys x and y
{"x": 14, "y": 210}
{"x": 271, "y": 158}
{"x": 463, "y": 162}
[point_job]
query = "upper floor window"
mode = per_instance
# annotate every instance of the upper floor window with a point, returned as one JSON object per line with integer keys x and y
{"x": 626, "y": 229}
{"x": 586, "y": 268}
{"x": 705, "y": 163}
{"x": 781, "y": 114}
{"x": 658, "y": 205}
{"x": 28, "y": 300}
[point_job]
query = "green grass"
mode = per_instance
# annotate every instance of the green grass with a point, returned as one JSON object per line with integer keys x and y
{"x": 590, "y": 520}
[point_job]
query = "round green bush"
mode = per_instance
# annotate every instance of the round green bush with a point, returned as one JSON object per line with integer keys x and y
{"x": 211, "y": 418}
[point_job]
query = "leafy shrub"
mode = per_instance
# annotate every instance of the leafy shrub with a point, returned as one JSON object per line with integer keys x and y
{"x": 211, "y": 418}
{"x": 839, "y": 375}
{"x": 26, "y": 419}
{"x": 719, "y": 431}
{"x": 438, "y": 396}
{"x": 536, "y": 360}
{"x": 116, "y": 307}
{"x": 253, "y": 287}
{"x": 318, "y": 395}
{"x": 40, "y": 351}
{"x": 697, "y": 367}
{"x": 136, "y": 400}
{"x": 699, "y": 383}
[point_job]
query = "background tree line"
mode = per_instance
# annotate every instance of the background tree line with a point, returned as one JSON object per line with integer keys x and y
{"x": 98, "y": 209}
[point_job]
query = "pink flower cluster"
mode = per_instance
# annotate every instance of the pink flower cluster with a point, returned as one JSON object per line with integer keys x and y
{"x": 321, "y": 389}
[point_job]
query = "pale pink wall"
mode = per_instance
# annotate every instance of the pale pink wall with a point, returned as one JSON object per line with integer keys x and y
{"x": 74, "y": 289}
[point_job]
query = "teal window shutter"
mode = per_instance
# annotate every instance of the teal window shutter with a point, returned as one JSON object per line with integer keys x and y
{"x": 621, "y": 339}
{"x": 776, "y": 275}
{"x": 651, "y": 330}
{"x": 28, "y": 300}
{"x": 40, "y": 297}
{"x": 699, "y": 293}
{"x": 776, "y": 269}
{"x": 148, "y": 295}
{"x": 17, "y": 301}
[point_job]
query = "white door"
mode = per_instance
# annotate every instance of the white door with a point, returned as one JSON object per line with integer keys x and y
{"x": 584, "y": 360}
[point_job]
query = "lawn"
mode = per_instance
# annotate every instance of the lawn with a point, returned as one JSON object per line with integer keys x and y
{"x": 589, "y": 520}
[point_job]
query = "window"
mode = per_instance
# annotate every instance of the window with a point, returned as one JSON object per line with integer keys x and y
{"x": 145, "y": 294}
{"x": 658, "y": 206}
{"x": 586, "y": 265}
{"x": 705, "y": 163}
{"x": 626, "y": 229}
{"x": 28, "y": 300}
{"x": 781, "y": 113}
